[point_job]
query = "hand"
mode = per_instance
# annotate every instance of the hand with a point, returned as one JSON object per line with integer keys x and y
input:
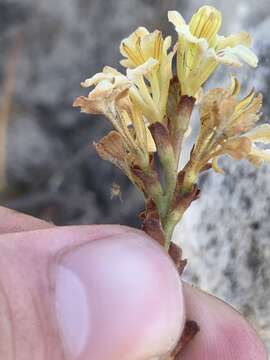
{"x": 104, "y": 293}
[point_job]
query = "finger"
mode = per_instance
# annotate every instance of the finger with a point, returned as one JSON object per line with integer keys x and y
{"x": 224, "y": 333}
{"x": 92, "y": 292}
{"x": 12, "y": 221}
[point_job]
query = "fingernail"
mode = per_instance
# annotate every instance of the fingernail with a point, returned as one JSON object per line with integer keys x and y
{"x": 118, "y": 298}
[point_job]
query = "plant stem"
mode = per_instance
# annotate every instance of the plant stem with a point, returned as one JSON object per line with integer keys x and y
{"x": 173, "y": 216}
{"x": 168, "y": 140}
{"x": 169, "y": 226}
{"x": 169, "y": 166}
{"x": 179, "y": 124}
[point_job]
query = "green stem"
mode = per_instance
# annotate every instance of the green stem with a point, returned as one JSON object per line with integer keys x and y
{"x": 174, "y": 216}
{"x": 169, "y": 167}
{"x": 169, "y": 226}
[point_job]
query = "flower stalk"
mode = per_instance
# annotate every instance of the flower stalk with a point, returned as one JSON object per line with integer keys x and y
{"x": 150, "y": 108}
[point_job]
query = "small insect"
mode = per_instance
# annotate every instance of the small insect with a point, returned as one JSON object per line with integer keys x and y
{"x": 116, "y": 191}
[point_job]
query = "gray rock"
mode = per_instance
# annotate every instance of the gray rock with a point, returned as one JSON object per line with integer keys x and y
{"x": 225, "y": 236}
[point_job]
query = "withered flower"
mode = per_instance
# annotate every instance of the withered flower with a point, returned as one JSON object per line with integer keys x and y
{"x": 131, "y": 143}
{"x": 150, "y": 68}
{"x": 110, "y": 84}
{"x": 227, "y": 127}
{"x": 200, "y": 49}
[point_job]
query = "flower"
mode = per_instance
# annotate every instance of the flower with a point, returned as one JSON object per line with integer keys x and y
{"x": 200, "y": 49}
{"x": 110, "y": 84}
{"x": 131, "y": 143}
{"x": 228, "y": 127}
{"x": 147, "y": 58}
{"x": 142, "y": 45}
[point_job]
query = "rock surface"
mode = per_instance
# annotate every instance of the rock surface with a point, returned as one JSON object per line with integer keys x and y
{"x": 225, "y": 236}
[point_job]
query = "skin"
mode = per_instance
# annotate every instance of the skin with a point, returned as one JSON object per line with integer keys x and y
{"x": 30, "y": 253}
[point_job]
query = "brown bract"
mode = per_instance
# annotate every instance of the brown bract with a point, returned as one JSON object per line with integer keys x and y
{"x": 190, "y": 330}
{"x": 176, "y": 254}
{"x": 152, "y": 223}
{"x": 111, "y": 148}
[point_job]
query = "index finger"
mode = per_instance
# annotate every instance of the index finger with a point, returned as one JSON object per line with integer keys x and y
{"x": 12, "y": 221}
{"x": 224, "y": 333}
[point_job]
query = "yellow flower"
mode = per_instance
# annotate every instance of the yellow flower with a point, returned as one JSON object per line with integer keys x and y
{"x": 200, "y": 49}
{"x": 110, "y": 97}
{"x": 142, "y": 45}
{"x": 147, "y": 58}
{"x": 228, "y": 127}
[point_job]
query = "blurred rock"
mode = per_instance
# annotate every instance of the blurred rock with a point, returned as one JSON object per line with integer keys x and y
{"x": 52, "y": 169}
{"x": 225, "y": 236}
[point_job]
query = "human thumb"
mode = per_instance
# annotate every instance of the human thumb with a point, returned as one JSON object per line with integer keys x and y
{"x": 87, "y": 292}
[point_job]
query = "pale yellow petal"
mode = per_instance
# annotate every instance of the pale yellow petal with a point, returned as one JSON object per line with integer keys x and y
{"x": 205, "y": 23}
{"x": 134, "y": 56}
{"x": 110, "y": 70}
{"x": 151, "y": 45}
{"x": 184, "y": 32}
{"x": 260, "y": 133}
{"x": 251, "y": 104}
{"x": 216, "y": 167}
{"x": 236, "y": 56}
{"x": 93, "y": 80}
{"x": 228, "y": 58}
{"x": 167, "y": 44}
{"x": 108, "y": 73}
{"x": 235, "y": 87}
{"x": 151, "y": 146}
{"x": 142, "y": 70}
{"x": 141, "y": 31}
{"x": 130, "y": 48}
{"x": 102, "y": 89}
{"x": 131, "y": 40}
{"x": 246, "y": 55}
{"x": 176, "y": 18}
{"x": 242, "y": 38}
{"x": 127, "y": 63}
